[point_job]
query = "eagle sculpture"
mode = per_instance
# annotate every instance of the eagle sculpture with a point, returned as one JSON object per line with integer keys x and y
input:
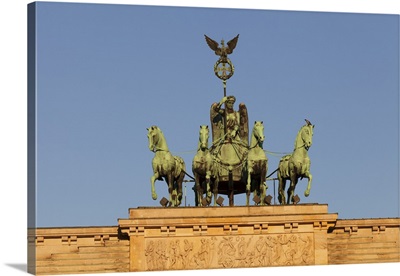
{"x": 222, "y": 51}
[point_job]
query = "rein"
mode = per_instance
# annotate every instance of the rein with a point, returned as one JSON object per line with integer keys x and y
{"x": 155, "y": 149}
{"x": 303, "y": 146}
{"x": 257, "y": 144}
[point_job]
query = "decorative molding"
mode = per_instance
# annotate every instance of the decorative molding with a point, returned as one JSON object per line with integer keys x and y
{"x": 100, "y": 239}
{"x": 136, "y": 231}
{"x": 260, "y": 228}
{"x": 69, "y": 240}
{"x": 378, "y": 229}
{"x": 200, "y": 230}
{"x": 321, "y": 225}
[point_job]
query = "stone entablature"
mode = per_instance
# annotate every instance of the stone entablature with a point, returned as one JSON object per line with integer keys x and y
{"x": 227, "y": 237}
{"x": 157, "y": 238}
{"x": 80, "y": 250}
{"x": 364, "y": 241}
{"x": 69, "y": 236}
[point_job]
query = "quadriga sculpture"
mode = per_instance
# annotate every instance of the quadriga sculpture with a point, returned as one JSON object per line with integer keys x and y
{"x": 296, "y": 165}
{"x": 172, "y": 168}
{"x": 257, "y": 164}
{"x": 203, "y": 169}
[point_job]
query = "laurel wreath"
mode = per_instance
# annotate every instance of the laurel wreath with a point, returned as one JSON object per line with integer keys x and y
{"x": 231, "y": 71}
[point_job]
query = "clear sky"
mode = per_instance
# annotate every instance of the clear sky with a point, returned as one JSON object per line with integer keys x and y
{"x": 107, "y": 72}
{"x": 375, "y": 196}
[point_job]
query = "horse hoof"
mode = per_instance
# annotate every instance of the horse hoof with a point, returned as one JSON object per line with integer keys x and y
{"x": 306, "y": 193}
{"x": 154, "y": 196}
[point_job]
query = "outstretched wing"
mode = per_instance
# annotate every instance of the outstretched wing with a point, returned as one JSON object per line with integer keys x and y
{"x": 212, "y": 44}
{"x": 232, "y": 44}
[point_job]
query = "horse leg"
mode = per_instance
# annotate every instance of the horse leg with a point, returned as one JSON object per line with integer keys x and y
{"x": 263, "y": 182}
{"x": 196, "y": 195}
{"x": 289, "y": 193}
{"x": 170, "y": 183}
{"x": 309, "y": 176}
{"x": 281, "y": 189}
{"x": 293, "y": 183}
{"x": 215, "y": 190}
{"x": 179, "y": 182}
{"x": 196, "y": 188}
{"x": 153, "y": 188}
{"x": 248, "y": 185}
{"x": 208, "y": 189}
{"x": 258, "y": 191}
{"x": 199, "y": 190}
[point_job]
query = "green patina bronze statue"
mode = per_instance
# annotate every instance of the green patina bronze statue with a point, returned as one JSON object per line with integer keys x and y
{"x": 257, "y": 165}
{"x": 228, "y": 124}
{"x": 296, "y": 165}
{"x": 222, "y": 51}
{"x": 229, "y": 145}
{"x": 231, "y": 165}
{"x": 204, "y": 170}
{"x": 165, "y": 165}
{"x": 223, "y": 68}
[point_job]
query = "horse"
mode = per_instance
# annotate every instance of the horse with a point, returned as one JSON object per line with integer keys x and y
{"x": 165, "y": 165}
{"x": 203, "y": 169}
{"x": 257, "y": 164}
{"x": 296, "y": 165}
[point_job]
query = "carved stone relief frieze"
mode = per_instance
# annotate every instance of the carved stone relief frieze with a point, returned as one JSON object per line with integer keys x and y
{"x": 229, "y": 251}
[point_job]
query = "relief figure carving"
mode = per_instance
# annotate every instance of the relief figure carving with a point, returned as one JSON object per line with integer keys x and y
{"x": 229, "y": 251}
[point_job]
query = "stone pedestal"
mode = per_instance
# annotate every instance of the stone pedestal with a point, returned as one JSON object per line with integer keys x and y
{"x": 227, "y": 237}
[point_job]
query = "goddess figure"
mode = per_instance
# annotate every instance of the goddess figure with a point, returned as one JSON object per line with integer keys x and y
{"x": 236, "y": 126}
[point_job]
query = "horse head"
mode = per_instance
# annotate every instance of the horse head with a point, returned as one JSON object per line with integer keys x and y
{"x": 307, "y": 132}
{"x": 153, "y": 137}
{"x": 203, "y": 137}
{"x": 258, "y": 132}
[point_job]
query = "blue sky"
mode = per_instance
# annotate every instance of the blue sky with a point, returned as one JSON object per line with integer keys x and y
{"x": 107, "y": 72}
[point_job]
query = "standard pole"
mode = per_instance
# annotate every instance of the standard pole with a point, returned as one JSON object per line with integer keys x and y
{"x": 225, "y": 130}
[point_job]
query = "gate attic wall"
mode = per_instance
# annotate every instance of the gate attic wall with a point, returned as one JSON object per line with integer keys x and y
{"x": 186, "y": 238}
{"x": 227, "y": 237}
